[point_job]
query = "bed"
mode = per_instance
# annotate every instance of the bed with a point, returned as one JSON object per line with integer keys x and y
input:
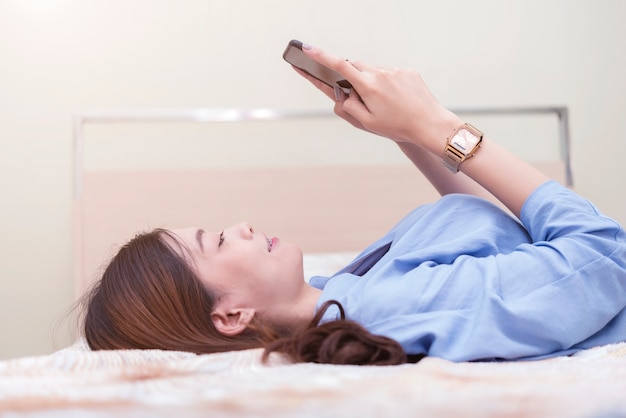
{"x": 288, "y": 200}
{"x": 74, "y": 382}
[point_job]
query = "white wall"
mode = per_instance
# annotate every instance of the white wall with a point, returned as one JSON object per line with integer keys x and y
{"x": 62, "y": 56}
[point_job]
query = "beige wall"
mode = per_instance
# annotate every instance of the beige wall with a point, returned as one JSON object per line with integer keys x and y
{"x": 59, "y": 57}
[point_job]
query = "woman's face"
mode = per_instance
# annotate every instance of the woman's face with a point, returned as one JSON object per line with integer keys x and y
{"x": 247, "y": 269}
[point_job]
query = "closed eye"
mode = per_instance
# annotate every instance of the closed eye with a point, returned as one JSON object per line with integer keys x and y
{"x": 221, "y": 240}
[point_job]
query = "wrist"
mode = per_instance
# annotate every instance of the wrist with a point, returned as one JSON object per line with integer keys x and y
{"x": 461, "y": 144}
{"x": 434, "y": 137}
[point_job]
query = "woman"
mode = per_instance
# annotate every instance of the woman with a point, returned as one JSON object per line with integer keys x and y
{"x": 458, "y": 279}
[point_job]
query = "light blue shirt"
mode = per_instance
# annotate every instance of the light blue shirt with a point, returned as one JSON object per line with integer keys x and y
{"x": 463, "y": 280}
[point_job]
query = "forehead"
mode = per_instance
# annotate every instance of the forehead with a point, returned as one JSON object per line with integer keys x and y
{"x": 181, "y": 240}
{"x": 183, "y": 233}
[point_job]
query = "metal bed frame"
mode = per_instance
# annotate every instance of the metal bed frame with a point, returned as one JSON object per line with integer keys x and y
{"x": 226, "y": 115}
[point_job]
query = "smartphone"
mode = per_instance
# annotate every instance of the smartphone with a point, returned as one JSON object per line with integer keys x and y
{"x": 293, "y": 55}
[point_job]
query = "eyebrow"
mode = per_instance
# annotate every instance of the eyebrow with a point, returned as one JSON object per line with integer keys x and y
{"x": 199, "y": 234}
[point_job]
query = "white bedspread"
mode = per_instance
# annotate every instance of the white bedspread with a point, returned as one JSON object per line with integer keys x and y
{"x": 75, "y": 382}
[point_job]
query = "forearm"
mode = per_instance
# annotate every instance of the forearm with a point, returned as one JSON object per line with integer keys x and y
{"x": 507, "y": 177}
{"x": 396, "y": 103}
{"x": 444, "y": 181}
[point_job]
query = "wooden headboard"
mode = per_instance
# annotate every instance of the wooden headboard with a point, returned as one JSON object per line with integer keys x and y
{"x": 322, "y": 207}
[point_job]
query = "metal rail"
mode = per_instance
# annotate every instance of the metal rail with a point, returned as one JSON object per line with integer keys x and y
{"x": 229, "y": 115}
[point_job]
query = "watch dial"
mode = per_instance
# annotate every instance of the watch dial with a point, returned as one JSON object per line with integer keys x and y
{"x": 464, "y": 140}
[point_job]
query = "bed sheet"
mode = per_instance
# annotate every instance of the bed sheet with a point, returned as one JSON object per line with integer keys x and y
{"x": 325, "y": 264}
{"x": 137, "y": 383}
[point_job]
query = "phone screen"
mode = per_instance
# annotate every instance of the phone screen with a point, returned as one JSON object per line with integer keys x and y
{"x": 293, "y": 55}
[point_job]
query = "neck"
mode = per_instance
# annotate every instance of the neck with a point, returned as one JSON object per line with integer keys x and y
{"x": 300, "y": 311}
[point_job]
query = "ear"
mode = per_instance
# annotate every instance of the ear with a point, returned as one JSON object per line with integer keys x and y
{"x": 233, "y": 322}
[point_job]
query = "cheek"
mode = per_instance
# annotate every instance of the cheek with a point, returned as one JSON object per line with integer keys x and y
{"x": 241, "y": 265}
{"x": 245, "y": 266}
{"x": 222, "y": 272}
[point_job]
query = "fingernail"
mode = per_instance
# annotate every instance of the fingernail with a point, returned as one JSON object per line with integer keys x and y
{"x": 338, "y": 93}
{"x": 306, "y": 46}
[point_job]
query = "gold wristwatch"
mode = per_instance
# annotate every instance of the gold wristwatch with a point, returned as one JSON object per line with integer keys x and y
{"x": 461, "y": 145}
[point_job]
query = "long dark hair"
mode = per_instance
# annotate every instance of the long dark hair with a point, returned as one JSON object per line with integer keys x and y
{"x": 150, "y": 298}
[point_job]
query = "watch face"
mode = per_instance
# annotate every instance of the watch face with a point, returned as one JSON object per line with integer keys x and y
{"x": 464, "y": 141}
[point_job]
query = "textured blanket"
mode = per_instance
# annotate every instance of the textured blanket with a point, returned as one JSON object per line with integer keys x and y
{"x": 75, "y": 382}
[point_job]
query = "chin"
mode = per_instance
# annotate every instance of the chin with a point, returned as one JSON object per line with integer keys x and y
{"x": 295, "y": 255}
{"x": 288, "y": 247}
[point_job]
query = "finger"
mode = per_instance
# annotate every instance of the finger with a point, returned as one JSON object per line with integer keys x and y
{"x": 356, "y": 108}
{"x": 341, "y": 112}
{"x": 355, "y": 96}
{"x": 361, "y": 66}
{"x": 340, "y": 95}
{"x": 340, "y": 65}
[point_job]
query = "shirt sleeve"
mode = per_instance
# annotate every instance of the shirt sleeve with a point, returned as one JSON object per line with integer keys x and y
{"x": 562, "y": 288}
{"x": 547, "y": 296}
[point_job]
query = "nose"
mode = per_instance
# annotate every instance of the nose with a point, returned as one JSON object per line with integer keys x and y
{"x": 244, "y": 229}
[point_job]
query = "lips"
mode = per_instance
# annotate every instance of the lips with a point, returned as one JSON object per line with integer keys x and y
{"x": 271, "y": 243}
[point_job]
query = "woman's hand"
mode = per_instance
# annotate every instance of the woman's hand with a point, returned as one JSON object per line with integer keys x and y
{"x": 429, "y": 164}
{"x": 394, "y": 103}
{"x": 335, "y": 95}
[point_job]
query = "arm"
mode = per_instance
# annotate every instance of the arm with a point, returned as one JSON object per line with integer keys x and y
{"x": 396, "y": 104}
{"x": 439, "y": 176}
{"x": 429, "y": 165}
